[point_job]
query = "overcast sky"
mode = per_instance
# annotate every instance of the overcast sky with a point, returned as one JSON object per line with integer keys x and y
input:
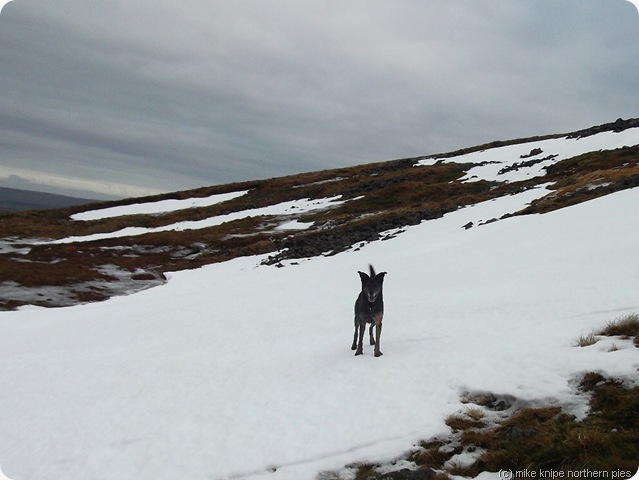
{"x": 129, "y": 97}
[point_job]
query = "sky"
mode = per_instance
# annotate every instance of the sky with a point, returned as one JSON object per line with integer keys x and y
{"x": 129, "y": 98}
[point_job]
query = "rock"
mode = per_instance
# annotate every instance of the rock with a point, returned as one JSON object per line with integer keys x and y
{"x": 406, "y": 474}
{"x": 533, "y": 152}
{"x": 514, "y": 433}
{"x": 342, "y": 237}
{"x": 618, "y": 126}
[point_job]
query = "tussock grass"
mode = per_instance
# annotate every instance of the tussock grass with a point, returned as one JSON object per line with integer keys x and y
{"x": 364, "y": 470}
{"x": 626, "y": 326}
{"x": 471, "y": 418}
{"x": 458, "y": 422}
{"x": 546, "y": 438}
{"x": 432, "y": 454}
{"x": 475, "y": 413}
{"x": 585, "y": 340}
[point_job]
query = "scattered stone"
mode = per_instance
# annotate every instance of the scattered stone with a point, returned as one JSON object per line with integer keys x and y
{"x": 534, "y": 152}
{"x": 517, "y": 166}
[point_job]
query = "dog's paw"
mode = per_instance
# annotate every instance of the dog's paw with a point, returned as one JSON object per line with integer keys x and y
{"x": 354, "y": 347}
{"x": 378, "y": 354}
{"x": 358, "y": 352}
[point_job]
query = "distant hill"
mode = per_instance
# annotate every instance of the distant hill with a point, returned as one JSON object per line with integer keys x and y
{"x": 13, "y": 200}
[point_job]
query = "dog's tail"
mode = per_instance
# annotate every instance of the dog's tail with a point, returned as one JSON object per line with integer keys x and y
{"x": 372, "y": 270}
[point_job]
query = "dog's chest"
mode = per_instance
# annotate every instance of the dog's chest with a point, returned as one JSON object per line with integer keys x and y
{"x": 367, "y": 309}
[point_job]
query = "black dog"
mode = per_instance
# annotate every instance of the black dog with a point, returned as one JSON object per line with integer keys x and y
{"x": 369, "y": 308}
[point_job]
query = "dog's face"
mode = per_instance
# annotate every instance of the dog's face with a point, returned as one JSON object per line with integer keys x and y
{"x": 372, "y": 285}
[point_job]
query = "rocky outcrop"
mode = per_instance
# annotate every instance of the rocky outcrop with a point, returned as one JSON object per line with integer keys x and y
{"x": 335, "y": 239}
{"x": 617, "y": 126}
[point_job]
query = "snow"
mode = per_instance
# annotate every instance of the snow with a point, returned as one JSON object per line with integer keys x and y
{"x": 290, "y": 208}
{"x": 294, "y": 225}
{"x": 161, "y": 206}
{"x": 240, "y": 370}
{"x": 559, "y": 148}
{"x": 62, "y": 295}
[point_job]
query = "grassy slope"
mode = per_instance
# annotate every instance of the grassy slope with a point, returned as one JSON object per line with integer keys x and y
{"x": 383, "y": 196}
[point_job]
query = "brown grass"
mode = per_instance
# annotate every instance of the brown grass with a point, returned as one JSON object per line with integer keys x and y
{"x": 546, "y": 438}
{"x": 584, "y": 177}
{"x": 585, "y": 340}
{"x": 626, "y": 327}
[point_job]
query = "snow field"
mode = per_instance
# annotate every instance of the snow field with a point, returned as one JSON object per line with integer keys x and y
{"x": 237, "y": 370}
{"x": 563, "y": 148}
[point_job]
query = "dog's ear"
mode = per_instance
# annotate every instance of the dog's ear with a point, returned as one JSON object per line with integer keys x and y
{"x": 365, "y": 278}
{"x": 380, "y": 276}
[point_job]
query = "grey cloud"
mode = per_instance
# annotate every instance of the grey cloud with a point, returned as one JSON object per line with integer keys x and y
{"x": 179, "y": 94}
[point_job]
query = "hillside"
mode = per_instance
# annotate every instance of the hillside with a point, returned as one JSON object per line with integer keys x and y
{"x": 78, "y": 258}
{"x": 511, "y": 268}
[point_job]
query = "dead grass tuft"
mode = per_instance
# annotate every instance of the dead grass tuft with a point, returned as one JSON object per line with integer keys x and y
{"x": 626, "y": 327}
{"x": 585, "y": 340}
{"x": 459, "y": 422}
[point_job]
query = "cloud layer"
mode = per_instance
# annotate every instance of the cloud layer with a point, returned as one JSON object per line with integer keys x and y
{"x": 169, "y": 95}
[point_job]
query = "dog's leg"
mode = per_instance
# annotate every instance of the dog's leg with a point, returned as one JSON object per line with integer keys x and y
{"x": 378, "y": 333}
{"x": 360, "y": 345}
{"x": 370, "y": 334}
{"x": 354, "y": 346}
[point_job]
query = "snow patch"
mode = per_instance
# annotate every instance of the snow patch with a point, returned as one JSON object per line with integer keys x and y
{"x": 152, "y": 208}
{"x": 294, "y": 225}
{"x": 293, "y": 207}
{"x": 492, "y": 161}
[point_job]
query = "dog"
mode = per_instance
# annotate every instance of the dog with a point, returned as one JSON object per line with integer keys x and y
{"x": 369, "y": 308}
